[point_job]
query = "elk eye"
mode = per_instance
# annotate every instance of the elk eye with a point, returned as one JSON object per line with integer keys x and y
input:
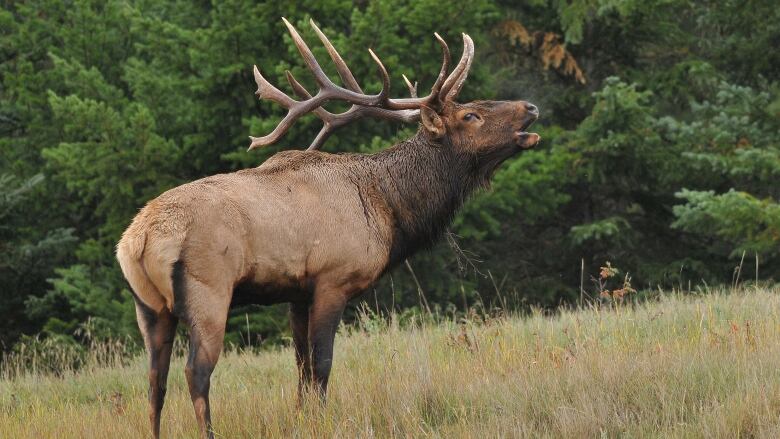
{"x": 470, "y": 116}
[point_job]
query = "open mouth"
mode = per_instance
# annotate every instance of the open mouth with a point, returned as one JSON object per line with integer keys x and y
{"x": 524, "y": 139}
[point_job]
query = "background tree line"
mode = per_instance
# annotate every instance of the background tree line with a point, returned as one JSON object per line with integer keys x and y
{"x": 660, "y": 121}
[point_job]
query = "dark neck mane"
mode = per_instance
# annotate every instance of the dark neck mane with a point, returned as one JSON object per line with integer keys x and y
{"x": 424, "y": 184}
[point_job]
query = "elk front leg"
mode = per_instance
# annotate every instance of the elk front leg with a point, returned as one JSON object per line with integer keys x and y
{"x": 324, "y": 317}
{"x": 299, "y": 325}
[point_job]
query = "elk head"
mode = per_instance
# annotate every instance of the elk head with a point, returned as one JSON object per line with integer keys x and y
{"x": 490, "y": 131}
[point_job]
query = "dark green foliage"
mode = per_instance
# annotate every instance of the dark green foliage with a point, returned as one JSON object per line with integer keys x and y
{"x": 666, "y": 161}
{"x": 27, "y": 254}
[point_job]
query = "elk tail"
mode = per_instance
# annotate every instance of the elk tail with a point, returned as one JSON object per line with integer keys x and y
{"x": 130, "y": 254}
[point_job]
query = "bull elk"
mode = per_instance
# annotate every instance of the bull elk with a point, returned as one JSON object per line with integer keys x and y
{"x": 309, "y": 228}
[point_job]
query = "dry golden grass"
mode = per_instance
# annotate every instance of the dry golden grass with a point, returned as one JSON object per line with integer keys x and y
{"x": 696, "y": 366}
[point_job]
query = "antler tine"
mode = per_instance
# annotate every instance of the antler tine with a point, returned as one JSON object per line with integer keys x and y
{"x": 454, "y": 82}
{"x": 462, "y": 78}
{"x": 385, "y": 78}
{"x": 266, "y": 90}
{"x": 341, "y": 66}
{"x": 321, "y": 138}
{"x": 297, "y": 87}
{"x": 412, "y": 88}
{"x": 433, "y": 96}
{"x": 308, "y": 56}
{"x": 445, "y": 65}
{"x": 328, "y": 89}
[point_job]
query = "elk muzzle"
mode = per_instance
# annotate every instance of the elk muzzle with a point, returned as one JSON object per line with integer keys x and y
{"x": 523, "y": 139}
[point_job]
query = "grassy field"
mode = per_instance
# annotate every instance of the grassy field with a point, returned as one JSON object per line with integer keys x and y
{"x": 705, "y": 365}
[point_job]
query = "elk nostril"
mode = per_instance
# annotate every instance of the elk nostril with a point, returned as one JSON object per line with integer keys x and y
{"x": 531, "y": 108}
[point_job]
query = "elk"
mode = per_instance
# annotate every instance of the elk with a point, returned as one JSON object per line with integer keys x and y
{"x": 309, "y": 228}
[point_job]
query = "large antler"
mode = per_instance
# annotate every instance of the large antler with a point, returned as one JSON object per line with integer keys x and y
{"x": 378, "y": 106}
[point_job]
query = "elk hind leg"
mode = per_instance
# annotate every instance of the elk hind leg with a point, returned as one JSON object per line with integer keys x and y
{"x": 159, "y": 330}
{"x": 206, "y": 315}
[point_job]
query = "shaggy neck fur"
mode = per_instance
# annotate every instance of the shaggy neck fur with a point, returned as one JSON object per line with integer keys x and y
{"x": 424, "y": 183}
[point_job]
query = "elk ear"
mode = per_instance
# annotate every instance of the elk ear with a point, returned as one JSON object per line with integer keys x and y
{"x": 432, "y": 121}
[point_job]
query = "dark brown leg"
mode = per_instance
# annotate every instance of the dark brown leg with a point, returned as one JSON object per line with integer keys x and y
{"x": 205, "y": 310}
{"x": 299, "y": 324}
{"x": 159, "y": 330}
{"x": 205, "y": 347}
{"x": 324, "y": 318}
